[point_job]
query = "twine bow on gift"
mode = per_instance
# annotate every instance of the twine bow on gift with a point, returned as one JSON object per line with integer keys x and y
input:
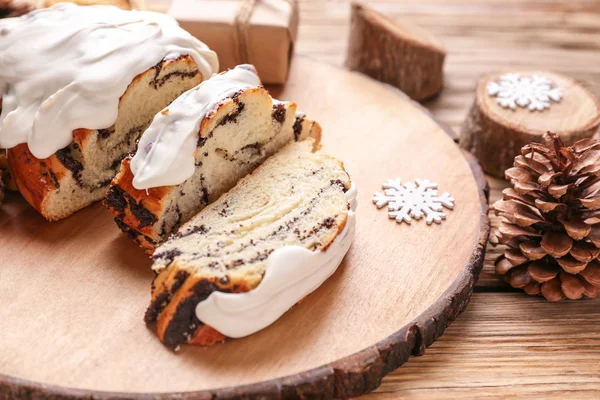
{"x": 242, "y": 26}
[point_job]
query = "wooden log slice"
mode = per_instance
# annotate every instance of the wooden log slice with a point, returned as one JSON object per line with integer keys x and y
{"x": 495, "y": 134}
{"x": 73, "y": 292}
{"x": 397, "y": 52}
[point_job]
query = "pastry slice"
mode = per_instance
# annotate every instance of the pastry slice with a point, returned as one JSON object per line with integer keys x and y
{"x": 78, "y": 86}
{"x": 245, "y": 259}
{"x": 198, "y": 148}
{"x": 80, "y": 174}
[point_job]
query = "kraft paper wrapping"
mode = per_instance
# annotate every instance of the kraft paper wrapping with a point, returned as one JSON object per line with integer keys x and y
{"x": 258, "y": 32}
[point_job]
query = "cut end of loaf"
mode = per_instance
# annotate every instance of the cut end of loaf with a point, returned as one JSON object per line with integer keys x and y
{"x": 295, "y": 198}
{"x": 80, "y": 174}
{"x": 400, "y": 27}
{"x": 399, "y": 53}
{"x": 234, "y": 138}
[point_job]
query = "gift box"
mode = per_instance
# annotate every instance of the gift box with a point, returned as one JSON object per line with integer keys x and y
{"x": 258, "y": 32}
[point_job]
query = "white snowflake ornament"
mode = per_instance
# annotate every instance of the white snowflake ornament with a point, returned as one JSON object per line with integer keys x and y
{"x": 535, "y": 92}
{"x": 413, "y": 200}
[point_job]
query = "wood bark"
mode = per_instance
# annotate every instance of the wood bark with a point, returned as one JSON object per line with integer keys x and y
{"x": 495, "y": 135}
{"x": 398, "y": 53}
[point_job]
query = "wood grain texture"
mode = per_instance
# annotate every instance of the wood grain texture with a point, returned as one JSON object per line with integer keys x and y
{"x": 506, "y": 345}
{"x": 519, "y": 358}
{"x": 87, "y": 285}
{"x": 495, "y": 135}
{"x": 493, "y": 350}
{"x": 399, "y": 53}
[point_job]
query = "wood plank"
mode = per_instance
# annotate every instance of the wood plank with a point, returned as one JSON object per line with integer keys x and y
{"x": 491, "y": 35}
{"x": 507, "y": 345}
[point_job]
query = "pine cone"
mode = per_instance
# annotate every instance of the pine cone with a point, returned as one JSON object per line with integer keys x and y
{"x": 551, "y": 220}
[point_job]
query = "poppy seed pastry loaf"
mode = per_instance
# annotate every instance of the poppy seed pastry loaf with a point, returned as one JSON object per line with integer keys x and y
{"x": 98, "y": 67}
{"x": 198, "y": 148}
{"x": 80, "y": 173}
{"x": 295, "y": 198}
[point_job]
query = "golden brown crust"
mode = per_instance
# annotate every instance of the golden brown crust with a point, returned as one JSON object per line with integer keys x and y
{"x": 38, "y": 179}
{"x": 35, "y": 178}
{"x": 316, "y": 134}
{"x": 175, "y": 294}
{"x": 207, "y": 336}
{"x": 137, "y": 221}
{"x": 9, "y": 182}
{"x": 122, "y": 195}
{"x": 126, "y": 202}
{"x": 173, "y": 302}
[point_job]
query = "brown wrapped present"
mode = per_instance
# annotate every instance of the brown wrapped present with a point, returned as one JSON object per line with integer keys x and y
{"x": 258, "y": 32}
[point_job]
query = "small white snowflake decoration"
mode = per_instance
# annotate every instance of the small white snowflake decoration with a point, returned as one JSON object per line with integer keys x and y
{"x": 413, "y": 200}
{"x": 535, "y": 92}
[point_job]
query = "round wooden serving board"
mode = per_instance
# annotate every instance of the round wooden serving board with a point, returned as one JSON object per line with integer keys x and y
{"x": 73, "y": 293}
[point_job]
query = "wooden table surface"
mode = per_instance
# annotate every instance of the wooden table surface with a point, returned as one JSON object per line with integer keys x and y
{"x": 507, "y": 344}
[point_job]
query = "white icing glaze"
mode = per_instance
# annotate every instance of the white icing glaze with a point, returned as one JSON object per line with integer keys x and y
{"x": 66, "y": 67}
{"x": 165, "y": 154}
{"x": 292, "y": 273}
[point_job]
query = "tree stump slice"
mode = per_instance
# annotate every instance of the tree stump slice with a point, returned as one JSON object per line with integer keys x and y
{"x": 74, "y": 292}
{"x": 495, "y": 134}
{"x": 396, "y": 52}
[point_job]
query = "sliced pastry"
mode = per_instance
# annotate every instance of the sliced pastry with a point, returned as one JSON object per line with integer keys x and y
{"x": 74, "y": 107}
{"x": 196, "y": 149}
{"x": 247, "y": 258}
